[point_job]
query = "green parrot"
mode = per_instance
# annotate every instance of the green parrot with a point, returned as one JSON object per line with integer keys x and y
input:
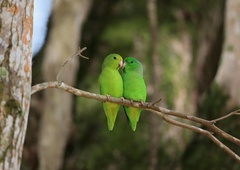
{"x": 111, "y": 84}
{"x": 134, "y": 88}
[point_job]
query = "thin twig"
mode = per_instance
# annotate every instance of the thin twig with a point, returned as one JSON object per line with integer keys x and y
{"x": 162, "y": 112}
{"x": 78, "y": 53}
{"x": 237, "y": 112}
{"x": 199, "y": 130}
{"x": 154, "y": 103}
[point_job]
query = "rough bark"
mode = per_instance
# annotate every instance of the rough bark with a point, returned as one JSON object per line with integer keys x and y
{"x": 15, "y": 82}
{"x": 67, "y": 19}
{"x": 228, "y": 75}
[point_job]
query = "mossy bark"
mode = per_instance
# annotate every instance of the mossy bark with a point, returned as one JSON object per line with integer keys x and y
{"x": 15, "y": 82}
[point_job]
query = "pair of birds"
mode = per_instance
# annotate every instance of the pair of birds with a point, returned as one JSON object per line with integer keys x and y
{"x": 129, "y": 85}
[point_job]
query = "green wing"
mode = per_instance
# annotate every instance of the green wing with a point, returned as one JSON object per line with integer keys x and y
{"x": 134, "y": 88}
{"x": 111, "y": 84}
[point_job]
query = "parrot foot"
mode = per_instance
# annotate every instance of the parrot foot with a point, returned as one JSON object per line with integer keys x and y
{"x": 122, "y": 98}
{"x": 141, "y": 102}
{"x": 108, "y": 97}
{"x": 131, "y": 102}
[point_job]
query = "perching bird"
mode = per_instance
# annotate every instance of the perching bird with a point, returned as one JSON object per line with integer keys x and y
{"x": 134, "y": 88}
{"x": 111, "y": 84}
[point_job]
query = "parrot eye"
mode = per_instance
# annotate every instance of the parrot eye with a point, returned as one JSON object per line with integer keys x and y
{"x": 131, "y": 62}
{"x": 114, "y": 58}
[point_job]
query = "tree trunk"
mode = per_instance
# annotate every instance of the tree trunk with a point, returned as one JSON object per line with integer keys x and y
{"x": 210, "y": 44}
{"x": 67, "y": 19}
{"x": 155, "y": 81}
{"x": 176, "y": 139}
{"x": 15, "y": 83}
{"x": 228, "y": 74}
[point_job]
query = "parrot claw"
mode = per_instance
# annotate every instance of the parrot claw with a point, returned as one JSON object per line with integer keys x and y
{"x": 131, "y": 101}
{"x": 108, "y": 97}
{"x": 122, "y": 98}
{"x": 141, "y": 102}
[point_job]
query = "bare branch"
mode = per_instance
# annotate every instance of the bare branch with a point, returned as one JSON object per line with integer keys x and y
{"x": 161, "y": 112}
{"x": 142, "y": 105}
{"x": 158, "y": 101}
{"x": 237, "y": 112}
{"x": 199, "y": 130}
{"x": 78, "y": 53}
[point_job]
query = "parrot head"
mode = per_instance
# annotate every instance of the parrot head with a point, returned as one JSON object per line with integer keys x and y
{"x": 132, "y": 65}
{"x": 114, "y": 61}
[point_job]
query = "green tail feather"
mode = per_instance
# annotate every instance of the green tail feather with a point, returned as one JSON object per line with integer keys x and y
{"x": 133, "y": 115}
{"x": 111, "y": 111}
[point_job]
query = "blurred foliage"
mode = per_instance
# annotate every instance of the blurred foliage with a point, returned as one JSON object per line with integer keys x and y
{"x": 169, "y": 63}
{"x": 119, "y": 29}
{"x": 213, "y": 103}
{"x": 202, "y": 149}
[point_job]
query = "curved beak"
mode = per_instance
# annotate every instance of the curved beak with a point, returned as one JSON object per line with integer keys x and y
{"x": 124, "y": 64}
{"x": 120, "y": 64}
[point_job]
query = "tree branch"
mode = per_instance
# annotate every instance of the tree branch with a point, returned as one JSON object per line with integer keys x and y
{"x": 237, "y": 112}
{"x": 78, "y": 53}
{"x": 198, "y": 130}
{"x": 161, "y": 112}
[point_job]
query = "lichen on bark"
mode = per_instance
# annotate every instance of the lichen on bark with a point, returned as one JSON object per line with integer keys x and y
{"x": 15, "y": 79}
